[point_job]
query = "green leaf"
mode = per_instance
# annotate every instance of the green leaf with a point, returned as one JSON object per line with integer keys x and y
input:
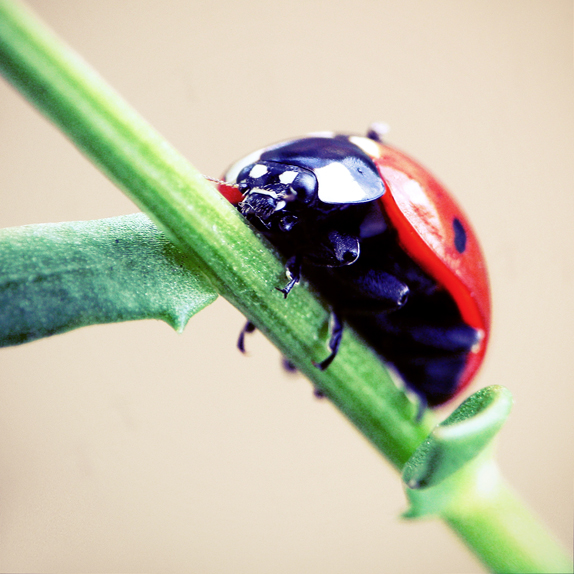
{"x": 58, "y": 277}
{"x": 458, "y": 439}
{"x": 445, "y": 467}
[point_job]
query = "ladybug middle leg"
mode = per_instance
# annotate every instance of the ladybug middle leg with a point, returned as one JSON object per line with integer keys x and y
{"x": 334, "y": 342}
{"x": 293, "y": 268}
{"x": 367, "y": 292}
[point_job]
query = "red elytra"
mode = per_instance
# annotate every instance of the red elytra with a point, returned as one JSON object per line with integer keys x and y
{"x": 422, "y": 211}
{"x": 230, "y": 192}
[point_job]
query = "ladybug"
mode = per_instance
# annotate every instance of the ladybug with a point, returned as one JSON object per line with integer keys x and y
{"x": 384, "y": 243}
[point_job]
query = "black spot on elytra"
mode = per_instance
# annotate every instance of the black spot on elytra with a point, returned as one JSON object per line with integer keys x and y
{"x": 459, "y": 235}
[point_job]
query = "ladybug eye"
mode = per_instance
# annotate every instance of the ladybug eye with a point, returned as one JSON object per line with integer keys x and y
{"x": 305, "y": 186}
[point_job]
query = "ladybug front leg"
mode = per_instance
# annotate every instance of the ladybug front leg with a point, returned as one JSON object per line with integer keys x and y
{"x": 293, "y": 269}
{"x": 334, "y": 249}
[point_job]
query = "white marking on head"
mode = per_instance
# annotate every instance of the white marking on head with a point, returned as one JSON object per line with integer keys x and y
{"x": 280, "y": 205}
{"x": 288, "y": 177}
{"x": 261, "y": 191}
{"x": 369, "y": 146}
{"x": 233, "y": 171}
{"x": 337, "y": 185}
{"x": 258, "y": 170}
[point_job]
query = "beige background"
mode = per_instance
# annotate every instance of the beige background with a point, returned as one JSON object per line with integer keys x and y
{"x": 128, "y": 448}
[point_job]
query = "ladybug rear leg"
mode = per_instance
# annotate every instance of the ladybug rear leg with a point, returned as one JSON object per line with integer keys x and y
{"x": 334, "y": 342}
{"x": 288, "y": 365}
{"x": 249, "y": 327}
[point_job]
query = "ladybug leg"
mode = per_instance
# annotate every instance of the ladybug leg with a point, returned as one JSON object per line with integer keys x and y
{"x": 334, "y": 342}
{"x": 448, "y": 338}
{"x": 248, "y": 328}
{"x": 375, "y": 291}
{"x": 288, "y": 365}
{"x": 380, "y": 293}
{"x": 293, "y": 269}
{"x": 434, "y": 378}
{"x": 396, "y": 294}
{"x": 334, "y": 249}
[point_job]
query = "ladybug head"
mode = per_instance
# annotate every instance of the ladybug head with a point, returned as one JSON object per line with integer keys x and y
{"x": 274, "y": 193}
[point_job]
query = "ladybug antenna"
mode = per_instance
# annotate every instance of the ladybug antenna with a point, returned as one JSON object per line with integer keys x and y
{"x": 221, "y": 182}
{"x": 231, "y": 191}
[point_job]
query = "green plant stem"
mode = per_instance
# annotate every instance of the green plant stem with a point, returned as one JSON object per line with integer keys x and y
{"x": 487, "y": 513}
{"x": 242, "y": 266}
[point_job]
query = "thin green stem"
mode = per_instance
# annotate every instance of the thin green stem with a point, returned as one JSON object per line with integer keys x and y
{"x": 495, "y": 523}
{"x": 242, "y": 266}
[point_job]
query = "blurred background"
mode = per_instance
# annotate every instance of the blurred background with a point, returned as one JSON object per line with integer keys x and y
{"x": 129, "y": 448}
